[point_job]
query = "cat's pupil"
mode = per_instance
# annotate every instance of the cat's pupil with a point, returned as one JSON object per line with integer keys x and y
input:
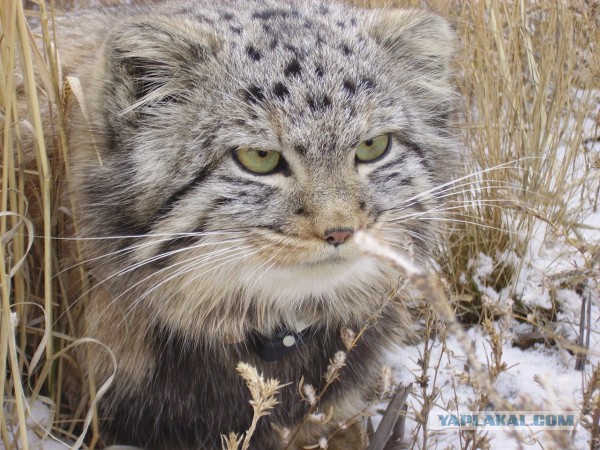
{"x": 262, "y": 153}
{"x": 369, "y": 142}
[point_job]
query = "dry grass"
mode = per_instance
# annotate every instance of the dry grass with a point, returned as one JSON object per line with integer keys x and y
{"x": 527, "y": 72}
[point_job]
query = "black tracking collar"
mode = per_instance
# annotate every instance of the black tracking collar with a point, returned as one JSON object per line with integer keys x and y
{"x": 271, "y": 348}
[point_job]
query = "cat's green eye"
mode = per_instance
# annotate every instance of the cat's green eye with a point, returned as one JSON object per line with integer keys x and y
{"x": 261, "y": 162}
{"x": 373, "y": 149}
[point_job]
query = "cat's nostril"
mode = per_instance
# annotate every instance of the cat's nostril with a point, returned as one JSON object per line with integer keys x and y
{"x": 338, "y": 236}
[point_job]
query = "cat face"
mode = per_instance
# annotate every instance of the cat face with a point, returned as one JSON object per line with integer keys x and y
{"x": 240, "y": 156}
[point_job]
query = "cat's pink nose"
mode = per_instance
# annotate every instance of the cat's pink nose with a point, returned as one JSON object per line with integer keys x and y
{"x": 338, "y": 236}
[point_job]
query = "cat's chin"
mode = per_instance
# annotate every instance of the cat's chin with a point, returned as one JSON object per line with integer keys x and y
{"x": 314, "y": 255}
{"x": 334, "y": 259}
{"x": 320, "y": 277}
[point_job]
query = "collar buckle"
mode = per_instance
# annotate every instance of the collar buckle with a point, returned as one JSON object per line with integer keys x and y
{"x": 281, "y": 343}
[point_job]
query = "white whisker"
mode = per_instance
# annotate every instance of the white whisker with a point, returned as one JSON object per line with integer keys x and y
{"x": 449, "y": 184}
{"x": 193, "y": 267}
{"x": 130, "y": 249}
{"x": 139, "y": 264}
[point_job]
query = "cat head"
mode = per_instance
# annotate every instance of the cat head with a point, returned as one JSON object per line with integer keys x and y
{"x": 236, "y": 152}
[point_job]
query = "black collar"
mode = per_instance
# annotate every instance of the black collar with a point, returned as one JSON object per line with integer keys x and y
{"x": 271, "y": 348}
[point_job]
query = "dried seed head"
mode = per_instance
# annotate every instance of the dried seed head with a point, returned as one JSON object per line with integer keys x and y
{"x": 348, "y": 338}
{"x": 335, "y": 364}
{"x": 309, "y": 394}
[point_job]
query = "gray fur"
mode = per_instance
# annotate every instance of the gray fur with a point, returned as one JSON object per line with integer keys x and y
{"x": 203, "y": 253}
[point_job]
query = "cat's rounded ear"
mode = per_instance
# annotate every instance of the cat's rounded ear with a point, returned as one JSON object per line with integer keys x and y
{"x": 421, "y": 39}
{"x": 155, "y": 59}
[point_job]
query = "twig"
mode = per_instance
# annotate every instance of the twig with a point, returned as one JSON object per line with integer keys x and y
{"x": 429, "y": 285}
{"x": 390, "y": 419}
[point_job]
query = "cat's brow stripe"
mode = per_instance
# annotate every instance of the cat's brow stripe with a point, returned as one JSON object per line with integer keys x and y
{"x": 169, "y": 204}
{"x": 170, "y": 247}
{"x": 395, "y": 177}
{"x": 418, "y": 150}
{"x": 394, "y": 164}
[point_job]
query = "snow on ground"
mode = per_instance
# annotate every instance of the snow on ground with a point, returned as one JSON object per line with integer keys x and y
{"x": 540, "y": 378}
{"x": 537, "y": 379}
{"x": 39, "y": 422}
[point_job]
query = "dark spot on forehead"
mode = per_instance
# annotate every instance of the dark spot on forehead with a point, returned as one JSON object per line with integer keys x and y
{"x": 208, "y": 140}
{"x": 273, "y": 43}
{"x": 367, "y": 83}
{"x": 226, "y": 16}
{"x": 320, "y": 40}
{"x": 347, "y": 50}
{"x": 185, "y": 10}
{"x": 221, "y": 201}
{"x": 440, "y": 120}
{"x": 301, "y": 149}
{"x": 236, "y": 30}
{"x": 324, "y": 10}
{"x": 350, "y": 86}
{"x": 341, "y": 24}
{"x": 318, "y": 102}
{"x": 319, "y": 71}
{"x": 290, "y": 48}
{"x": 280, "y": 90}
{"x": 407, "y": 181}
{"x": 293, "y": 69}
{"x": 253, "y": 94}
{"x": 203, "y": 19}
{"x": 253, "y": 53}
{"x": 270, "y": 14}
{"x": 198, "y": 52}
{"x": 353, "y": 21}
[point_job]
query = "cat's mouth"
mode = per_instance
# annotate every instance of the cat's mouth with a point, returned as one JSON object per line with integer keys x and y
{"x": 327, "y": 256}
{"x": 334, "y": 258}
{"x": 308, "y": 251}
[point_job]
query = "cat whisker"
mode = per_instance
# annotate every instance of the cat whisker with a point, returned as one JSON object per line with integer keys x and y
{"x": 408, "y": 232}
{"x": 144, "y": 236}
{"x": 475, "y": 187}
{"x": 478, "y": 186}
{"x": 274, "y": 256}
{"x": 451, "y": 183}
{"x": 478, "y": 224}
{"x": 397, "y": 243}
{"x": 187, "y": 265}
{"x": 130, "y": 249}
{"x": 230, "y": 259}
{"x": 255, "y": 270}
{"x": 139, "y": 264}
{"x": 444, "y": 208}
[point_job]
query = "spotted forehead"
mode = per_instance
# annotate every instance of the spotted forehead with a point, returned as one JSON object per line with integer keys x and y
{"x": 294, "y": 45}
{"x": 302, "y": 65}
